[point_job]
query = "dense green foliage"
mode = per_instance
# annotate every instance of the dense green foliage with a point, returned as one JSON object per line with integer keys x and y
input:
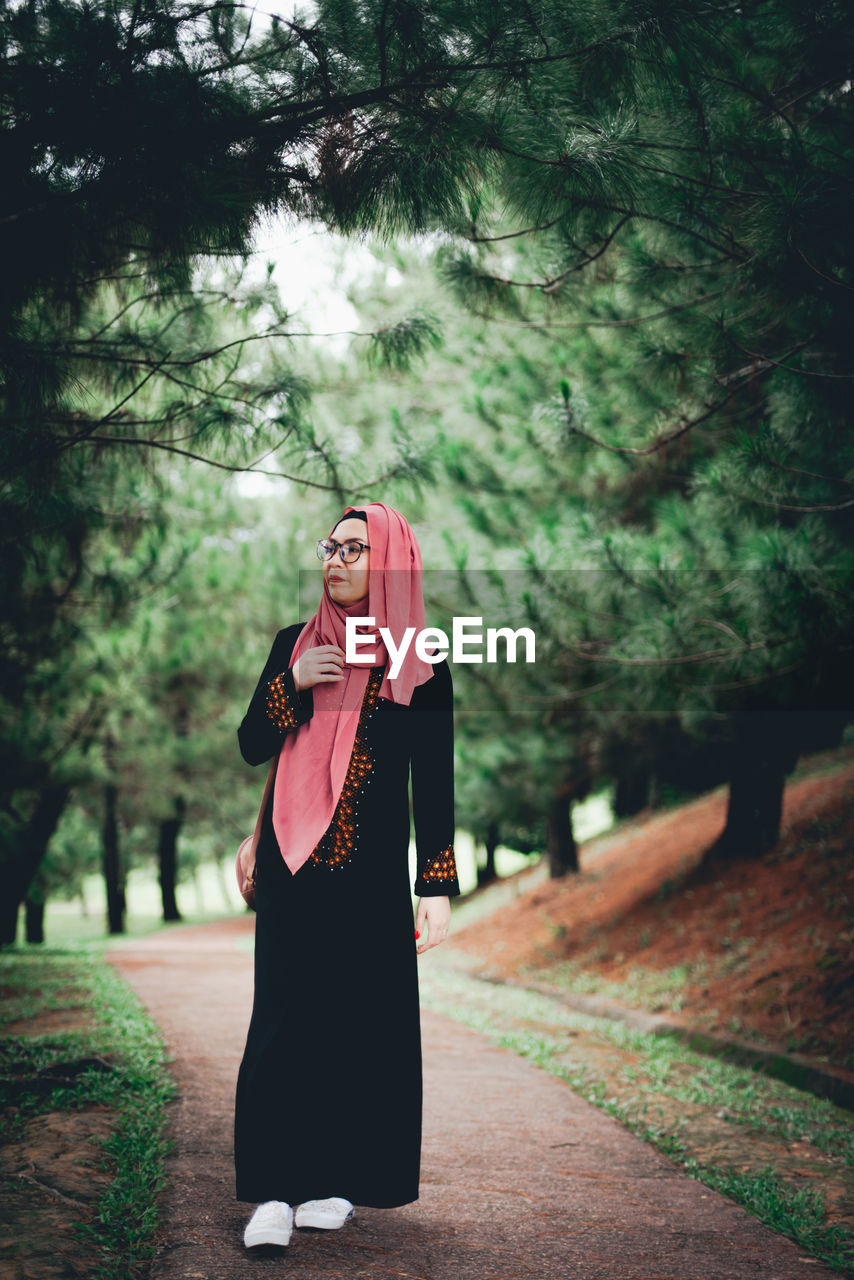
{"x": 137, "y": 137}
{"x": 667, "y": 255}
{"x": 640, "y": 400}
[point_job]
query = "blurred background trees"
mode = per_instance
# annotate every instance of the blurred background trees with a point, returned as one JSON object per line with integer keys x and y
{"x": 605, "y": 351}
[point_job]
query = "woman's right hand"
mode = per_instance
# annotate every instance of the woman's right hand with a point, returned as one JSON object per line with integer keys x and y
{"x": 320, "y": 665}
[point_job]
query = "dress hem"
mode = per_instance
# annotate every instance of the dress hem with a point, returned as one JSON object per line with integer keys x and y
{"x": 373, "y": 1202}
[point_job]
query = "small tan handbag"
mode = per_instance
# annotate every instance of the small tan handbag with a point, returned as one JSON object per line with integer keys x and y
{"x": 246, "y": 854}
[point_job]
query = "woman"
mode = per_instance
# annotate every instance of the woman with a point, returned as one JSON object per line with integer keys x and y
{"x": 328, "y": 1108}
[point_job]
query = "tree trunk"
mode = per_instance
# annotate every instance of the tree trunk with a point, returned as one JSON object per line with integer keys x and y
{"x": 631, "y": 793}
{"x": 34, "y": 912}
{"x": 487, "y": 873}
{"x": 763, "y": 753}
{"x": 561, "y": 849}
{"x": 10, "y": 906}
{"x": 31, "y": 844}
{"x": 113, "y": 878}
{"x": 754, "y": 808}
{"x": 167, "y": 854}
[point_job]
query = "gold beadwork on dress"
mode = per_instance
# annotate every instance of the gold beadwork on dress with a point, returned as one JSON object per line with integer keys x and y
{"x": 279, "y": 707}
{"x": 337, "y": 842}
{"x": 442, "y": 867}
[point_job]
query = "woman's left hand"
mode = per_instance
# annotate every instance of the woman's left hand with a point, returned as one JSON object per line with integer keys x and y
{"x": 435, "y": 914}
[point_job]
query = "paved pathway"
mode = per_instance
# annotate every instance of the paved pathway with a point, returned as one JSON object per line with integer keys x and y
{"x": 521, "y": 1178}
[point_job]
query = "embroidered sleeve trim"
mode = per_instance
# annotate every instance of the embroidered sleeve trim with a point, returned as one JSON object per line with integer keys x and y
{"x": 280, "y": 708}
{"x": 442, "y": 867}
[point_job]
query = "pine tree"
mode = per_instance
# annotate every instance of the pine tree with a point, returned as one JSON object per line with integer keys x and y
{"x": 689, "y": 215}
{"x": 137, "y": 138}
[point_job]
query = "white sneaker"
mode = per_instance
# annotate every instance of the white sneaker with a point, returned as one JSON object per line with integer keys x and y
{"x": 324, "y": 1213}
{"x": 271, "y": 1223}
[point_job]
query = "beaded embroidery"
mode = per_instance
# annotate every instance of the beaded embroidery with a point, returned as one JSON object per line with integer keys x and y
{"x": 279, "y": 707}
{"x": 442, "y": 867}
{"x": 338, "y": 841}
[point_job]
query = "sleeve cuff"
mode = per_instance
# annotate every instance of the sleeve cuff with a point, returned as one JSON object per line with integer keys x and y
{"x": 439, "y": 876}
{"x": 285, "y": 706}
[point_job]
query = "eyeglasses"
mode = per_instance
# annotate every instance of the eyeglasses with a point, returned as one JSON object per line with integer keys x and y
{"x": 350, "y": 551}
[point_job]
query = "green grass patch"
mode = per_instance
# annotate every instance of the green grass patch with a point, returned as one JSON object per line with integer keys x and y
{"x": 648, "y": 989}
{"x": 118, "y": 1063}
{"x": 798, "y": 1213}
{"x": 54, "y": 992}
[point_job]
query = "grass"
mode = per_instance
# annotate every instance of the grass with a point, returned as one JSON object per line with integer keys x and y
{"x": 55, "y": 991}
{"x": 660, "y": 1089}
{"x": 122, "y": 1066}
{"x": 797, "y": 1213}
{"x": 649, "y": 989}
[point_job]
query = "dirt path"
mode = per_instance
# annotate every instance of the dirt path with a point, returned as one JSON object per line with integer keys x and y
{"x": 521, "y": 1178}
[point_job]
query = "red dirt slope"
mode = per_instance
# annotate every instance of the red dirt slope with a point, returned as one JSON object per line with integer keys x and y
{"x": 762, "y": 948}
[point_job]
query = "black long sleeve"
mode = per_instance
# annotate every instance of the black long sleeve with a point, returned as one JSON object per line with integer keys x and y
{"x": 433, "y": 785}
{"x": 260, "y": 736}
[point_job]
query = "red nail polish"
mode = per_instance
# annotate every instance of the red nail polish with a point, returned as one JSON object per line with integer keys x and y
{"x": 417, "y": 934}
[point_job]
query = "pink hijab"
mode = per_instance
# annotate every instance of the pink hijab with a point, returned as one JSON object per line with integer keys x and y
{"x": 313, "y": 761}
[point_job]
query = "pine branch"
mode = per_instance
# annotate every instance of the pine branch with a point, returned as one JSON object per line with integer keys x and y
{"x": 99, "y": 422}
{"x": 199, "y": 358}
{"x": 812, "y": 475}
{"x": 512, "y": 235}
{"x": 686, "y": 425}
{"x": 707, "y": 655}
{"x": 785, "y": 506}
{"x": 337, "y": 488}
{"x": 823, "y": 274}
{"x": 426, "y": 76}
{"x": 735, "y": 251}
{"x": 592, "y": 324}
{"x": 779, "y": 364}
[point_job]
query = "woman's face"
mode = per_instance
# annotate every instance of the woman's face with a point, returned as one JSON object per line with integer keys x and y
{"x": 348, "y": 583}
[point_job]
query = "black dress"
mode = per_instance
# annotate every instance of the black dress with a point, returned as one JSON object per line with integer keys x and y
{"x": 329, "y": 1090}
